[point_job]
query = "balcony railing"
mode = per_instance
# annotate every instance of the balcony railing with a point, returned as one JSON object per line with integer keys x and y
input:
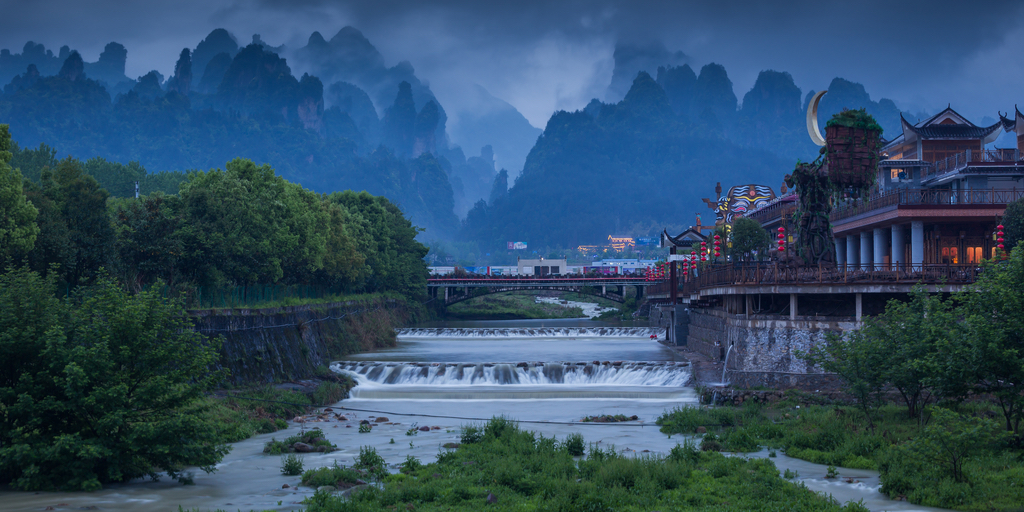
{"x": 935, "y": 197}
{"x": 773, "y": 211}
{"x": 767, "y": 273}
{"x": 960, "y": 161}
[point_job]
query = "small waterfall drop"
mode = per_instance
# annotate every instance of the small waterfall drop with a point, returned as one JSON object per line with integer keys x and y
{"x": 726, "y": 365}
{"x": 589, "y": 379}
{"x": 530, "y": 332}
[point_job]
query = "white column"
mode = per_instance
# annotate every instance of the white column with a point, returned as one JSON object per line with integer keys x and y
{"x": 792, "y": 306}
{"x": 852, "y": 251}
{"x": 917, "y": 243}
{"x": 860, "y": 305}
{"x": 865, "y": 250}
{"x": 880, "y": 248}
{"x": 840, "y": 251}
{"x": 899, "y": 245}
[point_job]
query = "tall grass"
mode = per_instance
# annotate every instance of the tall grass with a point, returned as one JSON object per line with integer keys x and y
{"x": 519, "y": 470}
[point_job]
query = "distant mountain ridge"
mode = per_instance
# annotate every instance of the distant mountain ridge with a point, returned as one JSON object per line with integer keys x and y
{"x": 351, "y": 121}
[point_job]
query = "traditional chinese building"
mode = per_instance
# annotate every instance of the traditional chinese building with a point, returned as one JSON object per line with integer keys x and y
{"x": 939, "y": 195}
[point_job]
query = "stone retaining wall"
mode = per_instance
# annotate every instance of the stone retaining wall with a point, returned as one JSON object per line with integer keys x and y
{"x": 763, "y": 348}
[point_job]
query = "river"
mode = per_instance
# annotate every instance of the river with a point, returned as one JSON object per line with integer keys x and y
{"x": 547, "y": 374}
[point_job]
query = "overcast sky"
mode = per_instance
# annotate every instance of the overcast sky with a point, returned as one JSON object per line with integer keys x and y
{"x": 557, "y": 54}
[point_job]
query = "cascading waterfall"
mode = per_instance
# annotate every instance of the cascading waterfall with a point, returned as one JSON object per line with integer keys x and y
{"x": 530, "y": 332}
{"x": 559, "y": 379}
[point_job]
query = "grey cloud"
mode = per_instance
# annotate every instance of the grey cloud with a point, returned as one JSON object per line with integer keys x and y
{"x": 541, "y": 55}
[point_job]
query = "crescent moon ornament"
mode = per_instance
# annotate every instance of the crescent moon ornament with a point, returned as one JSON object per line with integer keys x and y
{"x": 812, "y": 119}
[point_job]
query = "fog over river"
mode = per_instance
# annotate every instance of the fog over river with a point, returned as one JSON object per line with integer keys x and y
{"x": 548, "y": 374}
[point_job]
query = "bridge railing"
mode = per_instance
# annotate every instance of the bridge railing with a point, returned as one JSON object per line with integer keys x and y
{"x": 771, "y": 274}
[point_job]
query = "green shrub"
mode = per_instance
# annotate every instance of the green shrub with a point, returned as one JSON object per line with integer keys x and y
{"x": 327, "y": 393}
{"x": 338, "y": 476}
{"x": 314, "y": 438}
{"x": 411, "y": 464}
{"x": 574, "y": 444}
{"x": 291, "y": 465}
{"x": 471, "y": 434}
{"x": 371, "y": 462}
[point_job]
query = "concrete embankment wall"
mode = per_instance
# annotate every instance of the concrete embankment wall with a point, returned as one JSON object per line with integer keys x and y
{"x": 764, "y": 348}
{"x": 289, "y": 343}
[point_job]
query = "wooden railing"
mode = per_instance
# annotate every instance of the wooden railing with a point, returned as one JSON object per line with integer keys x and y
{"x": 768, "y": 273}
{"x": 926, "y": 197}
{"x": 961, "y": 160}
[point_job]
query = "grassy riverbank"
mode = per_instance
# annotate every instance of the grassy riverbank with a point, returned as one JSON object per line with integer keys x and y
{"x": 242, "y": 413}
{"x": 510, "y": 306}
{"x": 503, "y": 467}
{"x": 957, "y": 459}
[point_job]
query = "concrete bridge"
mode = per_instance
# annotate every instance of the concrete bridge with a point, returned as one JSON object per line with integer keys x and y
{"x": 457, "y": 289}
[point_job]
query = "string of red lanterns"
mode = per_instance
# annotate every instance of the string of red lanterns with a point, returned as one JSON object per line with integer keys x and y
{"x": 782, "y": 239}
{"x": 718, "y": 246}
{"x": 999, "y": 237}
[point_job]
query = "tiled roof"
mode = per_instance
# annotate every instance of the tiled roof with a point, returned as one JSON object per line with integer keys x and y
{"x": 954, "y": 131}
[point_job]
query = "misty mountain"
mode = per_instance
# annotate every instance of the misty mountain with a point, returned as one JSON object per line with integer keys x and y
{"x": 621, "y": 168}
{"x": 260, "y": 111}
{"x": 631, "y": 59}
{"x": 36, "y": 60}
{"x": 486, "y": 120}
{"x": 219, "y": 45}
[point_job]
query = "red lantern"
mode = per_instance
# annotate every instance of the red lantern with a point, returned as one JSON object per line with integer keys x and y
{"x": 1000, "y": 246}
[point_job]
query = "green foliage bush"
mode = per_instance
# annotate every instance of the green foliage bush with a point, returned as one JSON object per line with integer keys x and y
{"x": 471, "y": 434}
{"x": 532, "y": 473}
{"x": 291, "y": 465}
{"x": 334, "y": 475}
{"x": 101, "y": 387}
{"x": 371, "y": 462}
{"x": 574, "y": 444}
{"x": 314, "y": 438}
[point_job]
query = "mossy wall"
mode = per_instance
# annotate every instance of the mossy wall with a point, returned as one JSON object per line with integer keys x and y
{"x": 290, "y": 343}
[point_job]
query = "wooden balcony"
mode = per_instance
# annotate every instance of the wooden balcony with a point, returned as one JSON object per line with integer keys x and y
{"x": 935, "y": 197}
{"x": 983, "y": 158}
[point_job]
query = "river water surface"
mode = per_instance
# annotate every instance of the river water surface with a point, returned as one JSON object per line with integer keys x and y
{"x": 548, "y": 374}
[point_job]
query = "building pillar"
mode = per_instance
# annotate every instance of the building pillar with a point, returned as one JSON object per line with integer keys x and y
{"x": 841, "y": 251}
{"x": 917, "y": 244}
{"x": 852, "y": 251}
{"x": 899, "y": 245}
{"x": 446, "y": 294}
{"x": 748, "y": 305}
{"x": 792, "y": 306}
{"x": 865, "y": 250}
{"x": 880, "y": 248}
{"x": 860, "y": 305}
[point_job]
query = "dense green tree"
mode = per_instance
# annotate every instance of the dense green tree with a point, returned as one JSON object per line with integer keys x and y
{"x": 860, "y": 361}
{"x": 908, "y": 335}
{"x": 75, "y": 229}
{"x": 988, "y": 353}
{"x": 749, "y": 240}
{"x": 148, "y": 240}
{"x": 246, "y": 225}
{"x": 388, "y": 241}
{"x": 31, "y": 162}
{"x": 103, "y": 390}
{"x": 18, "y": 229}
{"x": 1013, "y": 224}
